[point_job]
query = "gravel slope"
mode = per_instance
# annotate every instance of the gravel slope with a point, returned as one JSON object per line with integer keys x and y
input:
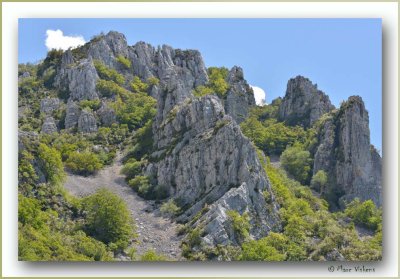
{"x": 154, "y": 232}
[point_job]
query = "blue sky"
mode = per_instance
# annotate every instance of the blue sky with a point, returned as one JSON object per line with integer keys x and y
{"x": 343, "y": 56}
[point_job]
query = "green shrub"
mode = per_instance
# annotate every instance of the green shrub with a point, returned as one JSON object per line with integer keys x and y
{"x": 297, "y": 162}
{"x": 152, "y": 256}
{"x": 319, "y": 180}
{"x": 108, "y": 219}
{"x": 107, "y": 73}
{"x": 169, "y": 209}
{"x": 51, "y": 161}
{"x": 84, "y": 163}
{"x": 364, "y": 213}
{"x": 260, "y": 251}
{"x": 153, "y": 81}
{"x": 90, "y": 104}
{"x": 139, "y": 86}
{"x": 132, "y": 168}
{"x": 240, "y": 224}
{"x": 108, "y": 88}
{"x": 124, "y": 61}
{"x": 141, "y": 184}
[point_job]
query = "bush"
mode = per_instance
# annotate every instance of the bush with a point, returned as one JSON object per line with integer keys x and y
{"x": 90, "y": 104}
{"x": 132, "y": 168}
{"x": 108, "y": 219}
{"x": 84, "y": 163}
{"x": 260, "y": 251}
{"x": 124, "y": 61}
{"x": 108, "y": 88}
{"x": 107, "y": 73}
{"x": 364, "y": 213}
{"x": 216, "y": 83}
{"x": 153, "y": 81}
{"x": 51, "y": 161}
{"x": 297, "y": 162}
{"x": 169, "y": 209}
{"x": 138, "y": 86}
{"x": 319, "y": 180}
{"x": 240, "y": 224}
{"x": 152, "y": 256}
{"x": 141, "y": 184}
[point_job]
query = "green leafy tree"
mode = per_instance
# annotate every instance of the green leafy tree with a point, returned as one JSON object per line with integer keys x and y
{"x": 240, "y": 224}
{"x": 364, "y": 213}
{"x": 124, "y": 61}
{"x": 84, "y": 163}
{"x": 319, "y": 180}
{"x": 107, "y": 73}
{"x": 297, "y": 162}
{"x": 108, "y": 219}
{"x": 138, "y": 86}
{"x": 52, "y": 164}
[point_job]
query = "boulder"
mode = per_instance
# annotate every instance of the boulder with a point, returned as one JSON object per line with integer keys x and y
{"x": 87, "y": 122}
{"x": 49, "y": 105}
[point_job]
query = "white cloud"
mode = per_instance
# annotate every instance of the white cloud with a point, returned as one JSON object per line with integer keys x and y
{"x": 259, "y": 95}
{"x": 56, "y": 40}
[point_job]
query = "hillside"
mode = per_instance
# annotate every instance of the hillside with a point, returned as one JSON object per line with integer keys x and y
{"x": 195, "y": 158}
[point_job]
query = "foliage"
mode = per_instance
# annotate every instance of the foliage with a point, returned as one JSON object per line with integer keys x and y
{"x": 113, "y": 135}
{"x": 169, "y": 208}
{"x": 297, "y": 162}
{"x": 142, "y": 185}
{"x": 139, "y": 86}
{"x": 84, "y": 163}
{"x": 107, "y": 73}
{"x": 319, "y": 180}
{"x": 108, "y": 219}
{"x": 51, "y": 161}
{"x": 271, "y": 136}
{"x": 124, "y": 61}
{"x": 364, "y": 213}
{"x": 135, "y": 110}
{"x": 152, "y": 256}
{"x": 260, "y": 250}
{"x": 240, "y": 224}
{"x": 216, "y": 84}
{"x": 153, "y": 81}
{"x": 108, "y": 88}
{"x": 90, "y": 104}
{"x": 132, "y": 168}
{"x": 27, "y": 177}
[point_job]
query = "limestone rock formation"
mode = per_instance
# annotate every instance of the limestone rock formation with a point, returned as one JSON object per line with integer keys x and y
{"x": 200, "y": 156}
{"x": 49, "y": 125}
{"x": 72, "y": 115}
{"x": 345, "y": 153}
{"x": 87, "y": 122}
{"x": 303, "y": 103}
{"x": 240, "y": 97}
{"x": 78, "y": 79}
{"x": 49, "y": 105}
{"x": 107, "y": 115}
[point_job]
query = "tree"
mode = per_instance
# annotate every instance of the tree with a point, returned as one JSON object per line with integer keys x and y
{"x": 319, "y": 180}
{"x": 364, "y": 213}
{"x": 108, "y": 219}
{"x": 139, "y": 86}
{"x": 83, "y": 162}
{"x": 52, "y": 164}
{"x": 297, "y": 162}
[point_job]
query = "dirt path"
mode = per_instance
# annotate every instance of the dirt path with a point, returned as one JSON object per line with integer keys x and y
{"x": 154, "y": 232}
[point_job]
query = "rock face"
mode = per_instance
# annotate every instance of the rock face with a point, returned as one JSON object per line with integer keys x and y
{"x": 72, "y": 115}
{"x": 87, "y": 122}
{"x": 49, "y": 105}
{"x": 240, "y": 97}
{"x": 78, "y": 79}
{"x": 345, "y": 153}
{"x": 107, "y": 115}
{"x": 203, "y": 158}
{"x": 49, "y": 125}
{"x": 303, "y": 103}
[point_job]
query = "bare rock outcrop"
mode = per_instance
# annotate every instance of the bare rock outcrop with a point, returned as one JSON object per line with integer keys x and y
{"x": 240, "y": 96}
{"x": 72, "y": 115}
{"x": 345, "y": 153}
{"x": 303, "y": 103}
{"x": 87, "y": 122}
{"x": 49, "y": 126}
{"x": 49, "y": 105}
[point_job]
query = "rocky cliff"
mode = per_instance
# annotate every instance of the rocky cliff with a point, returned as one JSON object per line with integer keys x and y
{"x": 200, "y": 155}
{"x": 345, "y": 153}
{"x": 303, "y": 103}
